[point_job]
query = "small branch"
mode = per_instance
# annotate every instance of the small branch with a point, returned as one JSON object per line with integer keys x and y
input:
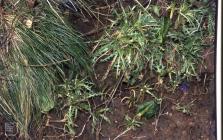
{"x": 94, "y": 31}
{"x": 123, "y": 133}
{"x": 83, "y": 128}
{"x": 115, "y": 89}
{"x": 63, "y": 135}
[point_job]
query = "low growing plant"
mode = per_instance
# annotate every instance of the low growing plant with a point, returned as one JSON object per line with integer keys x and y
{"x": 125, "y": 42}
{"x": 170, "y": 45}
{"x": 76, "y": 95}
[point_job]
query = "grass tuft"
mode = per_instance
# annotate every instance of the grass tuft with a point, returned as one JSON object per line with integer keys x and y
{"x": 169, "y": 45}
{"x": 39, "y": 47}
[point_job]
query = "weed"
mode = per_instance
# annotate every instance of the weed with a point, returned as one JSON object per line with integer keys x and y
{"x": 132, "y": 123}
{"x": 132, "y": 99}
{"x": 138, "y": 96}
{"x": 99, "y": 116}
{"x": 186, "y": 109}
{"x": 77, "y": 94}
{"x": 37, "y": 46}
{"x": 171, "y": 45}
{"x": 149, "y": 108}
{"x": 125, "y": 43}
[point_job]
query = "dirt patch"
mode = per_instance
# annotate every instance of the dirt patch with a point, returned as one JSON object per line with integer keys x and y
{"x": 199, "y": 124}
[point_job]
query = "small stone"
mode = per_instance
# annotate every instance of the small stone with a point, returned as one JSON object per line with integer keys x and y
{"x": 28, "y": 23}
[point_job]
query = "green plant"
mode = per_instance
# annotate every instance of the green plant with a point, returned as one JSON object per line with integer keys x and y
{"x": 185, "y": 40}
{"x": 170, "y": 46}
{"x": 136, "y": 96}
{"x": 126, "y": 43}
{"x": 98, "y": 116}
{"x": 186, "y": 109}
{"x": 77, "y": 95}
{"x": 37, "y": 45}
{"x": 148, "y": 109}
{"x": 132, "y": 123}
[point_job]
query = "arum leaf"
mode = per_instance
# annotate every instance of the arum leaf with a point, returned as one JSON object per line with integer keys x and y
{"x": 147, "y": 109}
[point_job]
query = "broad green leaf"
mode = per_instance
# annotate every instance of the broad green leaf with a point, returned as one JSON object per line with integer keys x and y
{"x": 147, "y": 109}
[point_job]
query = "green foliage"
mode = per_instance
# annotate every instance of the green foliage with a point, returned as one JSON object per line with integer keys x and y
{"x": 77, "y": 94}
{"x": 38, "y": 45}
{"x": 137, "y": 97}
{"x": 126, "y": 42}
{"x": 170, "y": 45}
{"x": 147, "y": 109}
{"x": 37, "y": 48}
{"x": 99, "y": 115}
{"x": 132, "y": 123}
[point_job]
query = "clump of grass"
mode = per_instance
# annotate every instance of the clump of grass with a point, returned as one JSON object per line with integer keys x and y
{"x": 36, "y": 47}
{"x": 125, "y": 42}
{"x": 184, "y": 41}
{"x": 169, "y": 45}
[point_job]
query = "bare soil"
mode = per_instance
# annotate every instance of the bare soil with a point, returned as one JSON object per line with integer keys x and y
{"x": 200, "y": 124}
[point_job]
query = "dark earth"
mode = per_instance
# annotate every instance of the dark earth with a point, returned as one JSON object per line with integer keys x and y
{"x": 198, "y": 123}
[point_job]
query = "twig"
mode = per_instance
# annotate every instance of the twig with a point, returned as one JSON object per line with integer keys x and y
{"x": 140, "y": 137}
{"x": 55, "y": 127}
{"x": 92, "y": 32}
{"x": 83, "y": 128}
{"x": 63, "y": 135}
{"x": 109, "y": 68}
{"x": 160, "y": 114}
{"x": 110, "y": 100}
{"x": 124, "y": 132}
{"x": 115, "y": 89}
{"x": 157, "y": 119}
